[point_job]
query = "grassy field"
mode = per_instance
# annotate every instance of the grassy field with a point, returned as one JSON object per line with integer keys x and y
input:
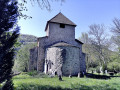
{"x": 26, "y": 82}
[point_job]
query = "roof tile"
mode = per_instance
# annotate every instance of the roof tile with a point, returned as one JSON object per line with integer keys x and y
{"x": 60, "y": 18}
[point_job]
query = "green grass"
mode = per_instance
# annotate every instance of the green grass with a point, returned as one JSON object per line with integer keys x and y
{"x": 26, "y": 82}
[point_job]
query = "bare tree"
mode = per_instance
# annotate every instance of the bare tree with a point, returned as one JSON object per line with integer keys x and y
{"x": 99, "y": 43}
{"x": 84, "y": 38}
{"x": 42, "y": 4}
{"x": 116, "y": 30}
{"x": 86, "y": 47}
{"x": 116, "y": 27}
{"x": 46, "y": 3}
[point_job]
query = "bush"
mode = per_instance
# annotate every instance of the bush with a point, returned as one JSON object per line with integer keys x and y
{"x": 92, "y": 70}
{"x": 98, "y": 69}
{"x": 37, "y": 74}
{"x": 113, "y": 66}
{"x": 41, "y": 75}
{"x": 32, "y": 73}
{"x": 118, "y": 74}
{"x": 22, "y": 58}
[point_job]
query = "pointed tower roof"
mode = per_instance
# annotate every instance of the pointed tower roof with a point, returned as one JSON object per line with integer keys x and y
{"x": 60, "y": 18}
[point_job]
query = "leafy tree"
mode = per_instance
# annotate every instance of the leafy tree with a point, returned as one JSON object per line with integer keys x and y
{"x": 22, "y": 58}
{"x": 113, "y": 66}
{"x": 8, "y": 23}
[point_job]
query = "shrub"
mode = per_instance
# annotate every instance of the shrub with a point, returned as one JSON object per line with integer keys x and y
{"x": 118, "y": 74}
{"x": 98, "y": 69}
{"x": 37, "y": 74}
{"x": 91, "y": 70}
{"x": 32, "y": 73}
{"x": 113, "y": 66}
{"x": 41, "y": 75}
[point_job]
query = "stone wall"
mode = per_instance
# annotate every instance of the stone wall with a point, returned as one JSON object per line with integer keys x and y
{"x": 33, "y": 59}
{"x": 83, "y": 63}
{"x": 71, "y": 65}
{"x": 63, "y": 60}
{"x": 54, "y": 59}
{"x": 55, "y": 32}
{"x": 46, "y": 42}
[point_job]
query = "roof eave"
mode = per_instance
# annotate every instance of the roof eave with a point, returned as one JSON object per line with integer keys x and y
{"x": 57, "y": 23}
{"x": 79, "y": 41}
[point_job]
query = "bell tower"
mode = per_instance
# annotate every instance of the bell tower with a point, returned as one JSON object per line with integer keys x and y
{"x": 60, "y": 27}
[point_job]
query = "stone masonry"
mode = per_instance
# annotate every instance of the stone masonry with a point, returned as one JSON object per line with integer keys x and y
{"x": 58, "y": 52}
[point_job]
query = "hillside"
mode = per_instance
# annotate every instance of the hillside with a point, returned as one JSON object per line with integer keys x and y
{"x": 24, "y": 38}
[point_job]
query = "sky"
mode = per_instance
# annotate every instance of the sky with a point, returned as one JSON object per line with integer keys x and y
{"x": 82, "y": 12}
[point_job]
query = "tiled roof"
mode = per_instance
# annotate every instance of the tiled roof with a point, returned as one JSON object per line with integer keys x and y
{"x": 61, "y": 44}
{"x": 60, "y": 18}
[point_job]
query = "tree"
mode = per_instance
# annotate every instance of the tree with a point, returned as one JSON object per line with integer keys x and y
{"x": 9, "y": 32}
{"x": 99, "y": 43}
{"x": 22, "y": 58}
{"x": 116, "y": 27}
{"x": 116, "y": 38}
{"x": 116, "y": 30}
{"x": 42, "y": 4}
{"x": 45, "y": 3}
{"x": 91, "y": 62}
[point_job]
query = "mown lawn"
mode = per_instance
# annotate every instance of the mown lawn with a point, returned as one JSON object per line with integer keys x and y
{"x": 26, "y": 82}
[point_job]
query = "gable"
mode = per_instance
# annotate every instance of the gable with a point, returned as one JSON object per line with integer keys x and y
{"x": 61, "y": 19}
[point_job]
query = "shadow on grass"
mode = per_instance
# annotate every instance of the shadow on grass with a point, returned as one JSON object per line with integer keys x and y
{"x": 89, "y": 75}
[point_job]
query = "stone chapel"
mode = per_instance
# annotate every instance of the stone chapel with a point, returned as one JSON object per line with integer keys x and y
{"x": 58, "y": 52}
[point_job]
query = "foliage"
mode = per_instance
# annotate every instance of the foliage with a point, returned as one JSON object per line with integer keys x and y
{"x": 25, "y": 82}
{"x": 91, "y": 47}
{"x": 9, "y": 32}
{"x": 35, "y": 74}
{"x": 22, "y": 58}
{"x": 113, "y": 66}
{"x": 32, "y": 73}
{"x": 8, "y": 85}
{"x": 98, "y": 69}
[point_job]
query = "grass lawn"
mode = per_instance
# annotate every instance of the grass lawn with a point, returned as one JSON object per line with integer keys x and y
{"x": 26, "y": 82}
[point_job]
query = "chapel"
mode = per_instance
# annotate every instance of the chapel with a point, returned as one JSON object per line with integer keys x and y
{"x": 58, "y": 52}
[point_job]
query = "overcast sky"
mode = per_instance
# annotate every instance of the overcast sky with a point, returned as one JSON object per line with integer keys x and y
{"x": 82, "y": 12}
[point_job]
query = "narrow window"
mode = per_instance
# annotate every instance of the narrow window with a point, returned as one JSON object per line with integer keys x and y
{"x": 62, "y": 25}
